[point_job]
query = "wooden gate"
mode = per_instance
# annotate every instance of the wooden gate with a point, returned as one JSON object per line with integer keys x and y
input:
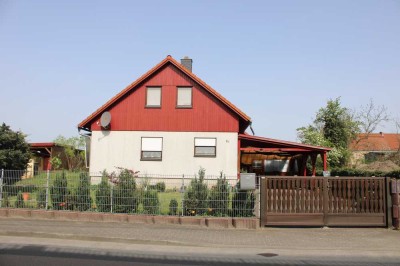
{"x": 320, "y": 201}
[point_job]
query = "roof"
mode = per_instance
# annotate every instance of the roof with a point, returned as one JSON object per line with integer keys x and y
{"x": 376, "y": 142}
{"x": 167, "y": 60}
{"x": 281, "y": 144}
{"x": 43, "y": 144}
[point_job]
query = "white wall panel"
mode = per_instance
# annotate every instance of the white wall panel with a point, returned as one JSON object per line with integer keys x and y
{"x": 110, "y": 149}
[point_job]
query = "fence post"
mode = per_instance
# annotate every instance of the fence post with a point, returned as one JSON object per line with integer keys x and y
{"x": 112, "y": 196}
{"x": 1, "y": 188}
{"x": 182, "y": 193}
{"x": 47, "y": 189}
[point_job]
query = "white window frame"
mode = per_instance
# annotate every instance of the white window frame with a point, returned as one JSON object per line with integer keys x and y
{"x": 178, "y": 105}
{"x": 205, "y": 142}
{"x": 147, "y": 97}
{"x": 151, "y": 144}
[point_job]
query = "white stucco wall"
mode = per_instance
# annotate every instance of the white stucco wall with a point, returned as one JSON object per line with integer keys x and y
{"x": 123, "y": 149}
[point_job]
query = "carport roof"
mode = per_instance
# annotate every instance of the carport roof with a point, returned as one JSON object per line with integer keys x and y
{"x": 261, "y": 144}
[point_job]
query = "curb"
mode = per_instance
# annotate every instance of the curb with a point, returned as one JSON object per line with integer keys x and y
{"x": 210, "y": 222}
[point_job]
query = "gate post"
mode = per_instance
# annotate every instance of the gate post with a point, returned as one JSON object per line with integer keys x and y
{"x": 325, "y": 199}
{"x": 395, "y": 189}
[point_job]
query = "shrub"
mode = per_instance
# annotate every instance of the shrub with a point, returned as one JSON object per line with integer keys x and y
{"x": 83, "y": 199}
{"x": 103, "y": 195}
{"x": 173, "y": 207}
{"x": 150, "y": 201}
{"x": 219, "y": 197}
{"x": 41, "y": 198}
{"x": 5, "y": 201}
{"x": 124, "y": 193}
{"x": 243, "y": 203}
{"x": 195, "y": 200}
{"x": 59, "y": 192}
{"x": 19, "y": 203}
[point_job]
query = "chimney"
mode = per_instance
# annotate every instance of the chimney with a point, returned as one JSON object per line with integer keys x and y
{"x": 187, "y": 63}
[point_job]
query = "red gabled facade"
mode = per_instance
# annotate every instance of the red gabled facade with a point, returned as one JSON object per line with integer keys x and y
{"x": 210, "y": 111}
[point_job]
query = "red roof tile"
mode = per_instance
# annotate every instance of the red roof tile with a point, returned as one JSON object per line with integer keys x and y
{"x": 376, "y": 142}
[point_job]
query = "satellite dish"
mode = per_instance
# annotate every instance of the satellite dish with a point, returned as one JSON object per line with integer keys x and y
{"x": 105, "y": 120}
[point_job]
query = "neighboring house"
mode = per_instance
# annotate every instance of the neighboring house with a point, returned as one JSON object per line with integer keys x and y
{"x": 170, "y": 122}
{"x": 374, "y": 146}
{"x": 41, "y": 157}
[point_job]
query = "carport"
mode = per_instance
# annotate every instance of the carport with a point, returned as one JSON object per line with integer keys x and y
{"x": 267, "y": 156}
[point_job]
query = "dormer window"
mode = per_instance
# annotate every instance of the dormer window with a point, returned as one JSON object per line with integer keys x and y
{"x": 153, "y": 97}
{"x": 184, "y": 97}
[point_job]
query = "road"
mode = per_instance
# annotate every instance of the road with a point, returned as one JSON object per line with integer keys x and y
{"x": 35, "y": 251}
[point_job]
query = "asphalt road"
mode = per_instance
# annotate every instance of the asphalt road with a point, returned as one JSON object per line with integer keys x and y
{"x": 61, "y": 252}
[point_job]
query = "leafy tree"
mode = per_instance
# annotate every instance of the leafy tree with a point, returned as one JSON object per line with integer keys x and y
{"x": 14, "y": 150}
{"x": 334, "y": 126}
{"x": 83, "y": 199}
{"x": 73, "y": 151}
{"x": 103, "y": 194}
{"x": 195, "y": 199}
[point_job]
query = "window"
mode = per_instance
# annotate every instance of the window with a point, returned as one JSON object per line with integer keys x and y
{"x": 205, "y": 147}
{"x": 151, "y": 149}
{"x": 153, "y": 97}
{"x": 184, "y": 97}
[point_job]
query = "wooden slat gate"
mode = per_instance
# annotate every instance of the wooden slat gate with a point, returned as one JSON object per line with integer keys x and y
{"x": 320, "y": 201}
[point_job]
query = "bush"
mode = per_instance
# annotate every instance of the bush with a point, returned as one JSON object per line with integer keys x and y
{"x": 219, "y": 197}
{"x": 19, "y": 203}
{"x": 173, "y": 207}
{"x": 150, "y": 202}
{"x": 124, "y": 193}
{"x": 243, "y": 203}
{"x": 83, "y": 199}
{"x": 103, "y": 195}
{"x": 59, "y": 192}
{"x": 41, "y": 198}
{"x": 350, "y": 172}
{"x": 195, "y": 200}
{"x": 13, "y": 190}
{"x": 5, "y": 201}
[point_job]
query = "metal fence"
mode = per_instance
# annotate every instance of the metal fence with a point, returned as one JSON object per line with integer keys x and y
{"x": 128, "y": 192}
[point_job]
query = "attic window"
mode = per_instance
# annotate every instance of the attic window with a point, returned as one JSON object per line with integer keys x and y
{"x": 153, "y": 97}
{"x": 184, "y": 97}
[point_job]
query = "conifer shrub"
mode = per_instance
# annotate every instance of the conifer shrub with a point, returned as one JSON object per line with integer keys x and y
{"x": 124, "y": 200}
{"x": 103, "y": 194}
{"x": 219, "y": 197}
{"x": 173, "y": 207}
{"x": 83, "y": 199}
{"x": 195, "y": 199}
{"x": 19, "y": 203}
{"x": 59, "y": 192}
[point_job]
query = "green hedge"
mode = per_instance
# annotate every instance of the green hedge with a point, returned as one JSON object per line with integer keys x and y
{"x": 362, "y": 173}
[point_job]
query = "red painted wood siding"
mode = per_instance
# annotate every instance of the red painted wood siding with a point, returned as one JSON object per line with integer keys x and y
{"x": 207, "y": 114}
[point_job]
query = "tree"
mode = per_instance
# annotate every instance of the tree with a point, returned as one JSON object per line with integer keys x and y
{"x": 103, "y": 194}
{"x": 73, "y": 151}
{"x": 370, "y": 117}
{"x": 14, "y": 150}
{"x": 335, "y": 127}
{"x": 195, "y": 199}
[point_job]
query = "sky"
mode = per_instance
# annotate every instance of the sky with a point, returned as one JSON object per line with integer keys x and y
{"x": 278, "y": 61}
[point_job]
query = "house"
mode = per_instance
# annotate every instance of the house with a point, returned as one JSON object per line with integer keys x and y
{"x": 41, "y": 157}
{"x": 374, "y": 146}
{"x": 170, "y": 122}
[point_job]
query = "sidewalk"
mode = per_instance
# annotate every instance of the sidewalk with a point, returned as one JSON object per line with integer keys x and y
{"x": 359, "y": 243}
